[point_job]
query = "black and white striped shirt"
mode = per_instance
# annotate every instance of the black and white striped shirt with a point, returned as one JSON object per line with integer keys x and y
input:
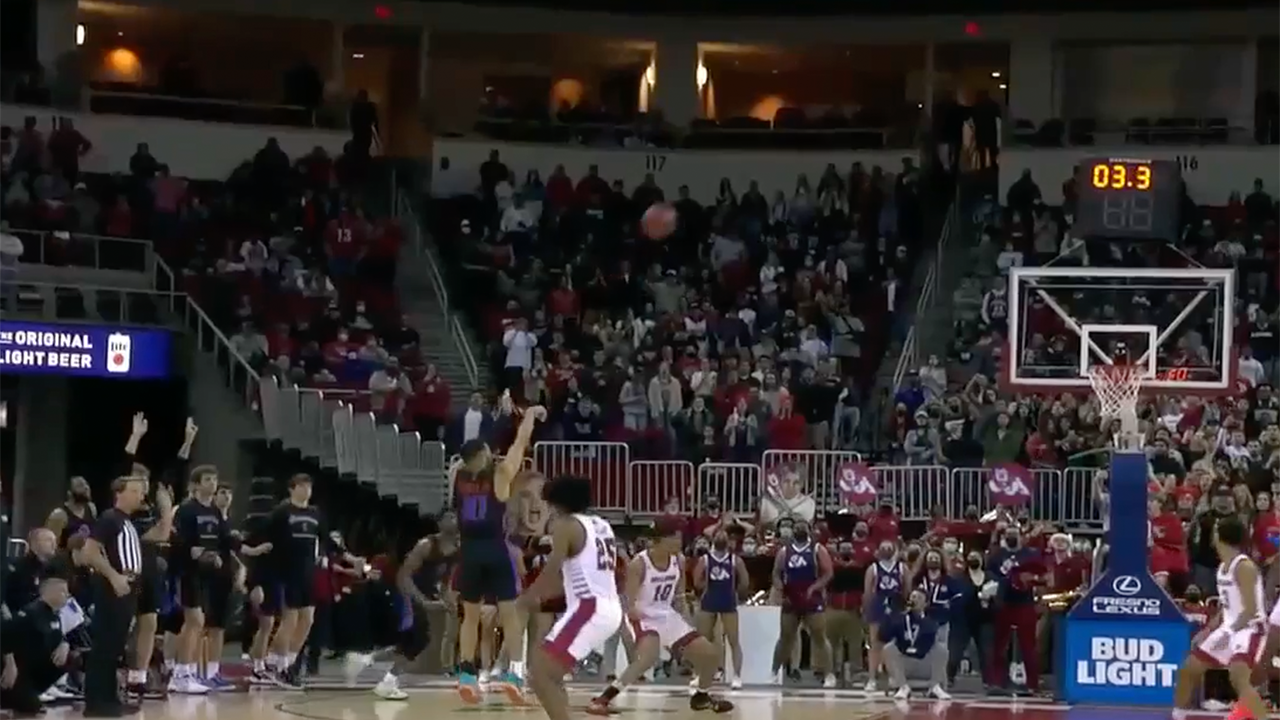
{"x": 120, "y": 541}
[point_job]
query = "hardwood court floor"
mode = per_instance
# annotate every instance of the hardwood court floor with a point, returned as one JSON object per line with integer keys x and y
{"x": 443, "y": 704}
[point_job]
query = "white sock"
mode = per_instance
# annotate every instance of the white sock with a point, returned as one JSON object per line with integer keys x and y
{"x": 211, "y": 669}
{"x": 275, "y": 661}
{"x": 291, "y": 658}
{"x": 259, "y": 664}
{"x": 137, "y": 677}
{"x": 517, "y": 668}
{"x": 169, "y": 665}
{"x": 390, "y": 678}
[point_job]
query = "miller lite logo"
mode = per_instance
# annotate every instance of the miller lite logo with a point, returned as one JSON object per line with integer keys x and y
{"x": 1010, "y": 484}
{"x": 119, "y": 353}
{"x": 856, "y": 484}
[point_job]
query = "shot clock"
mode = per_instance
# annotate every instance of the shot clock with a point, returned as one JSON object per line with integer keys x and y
{"x": 1128, "y": 199}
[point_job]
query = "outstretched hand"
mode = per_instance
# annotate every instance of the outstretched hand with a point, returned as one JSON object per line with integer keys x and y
{"x": 139, "y": 424}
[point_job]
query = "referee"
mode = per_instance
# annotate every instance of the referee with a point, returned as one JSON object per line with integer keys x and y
{"x": 114, "y": 551}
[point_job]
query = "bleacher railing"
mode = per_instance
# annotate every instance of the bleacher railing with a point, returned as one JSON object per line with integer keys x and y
{"x": 409, "y": 219}
{"x": 96, "y": 252}
{"x": 327, "y": 428}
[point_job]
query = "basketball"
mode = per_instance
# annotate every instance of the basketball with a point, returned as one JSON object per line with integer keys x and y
{"x": 659, "y": 221}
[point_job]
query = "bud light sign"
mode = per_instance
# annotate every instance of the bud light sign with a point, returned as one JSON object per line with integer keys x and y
{"x": 1129, "y": 663}
{"x": 84, "y": 351}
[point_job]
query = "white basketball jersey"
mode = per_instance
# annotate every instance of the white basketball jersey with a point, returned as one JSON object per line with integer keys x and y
{"x": 1232, "y": 596}
{"x": 591, "y": 573}
{"x": 659, "y": 587}
{"x": 1275, "y": 615}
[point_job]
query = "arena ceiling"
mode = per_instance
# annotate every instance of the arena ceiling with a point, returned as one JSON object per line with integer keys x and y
{"x": 872, "y": 7}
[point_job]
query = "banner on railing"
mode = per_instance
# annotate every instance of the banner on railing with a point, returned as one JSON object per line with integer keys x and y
{"x": 121, "y": 353}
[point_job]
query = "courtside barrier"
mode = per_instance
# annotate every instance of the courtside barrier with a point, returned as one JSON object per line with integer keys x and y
{"x": 653, "y": 483}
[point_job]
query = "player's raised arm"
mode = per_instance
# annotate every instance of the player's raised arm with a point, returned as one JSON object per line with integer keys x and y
{"x": 513, "y": 462}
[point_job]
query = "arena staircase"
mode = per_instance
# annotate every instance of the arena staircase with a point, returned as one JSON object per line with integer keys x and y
{"x": 931, "y": 316}
{"x": 424, "y": 297}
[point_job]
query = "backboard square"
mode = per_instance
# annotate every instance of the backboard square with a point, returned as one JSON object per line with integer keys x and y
{"x": 1054, "y": 310}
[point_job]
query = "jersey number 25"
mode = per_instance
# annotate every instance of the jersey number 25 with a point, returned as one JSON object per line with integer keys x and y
{"x": 606, "y": 554}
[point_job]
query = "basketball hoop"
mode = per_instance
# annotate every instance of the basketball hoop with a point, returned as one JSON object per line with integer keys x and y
{"x": 1117, "y": 388}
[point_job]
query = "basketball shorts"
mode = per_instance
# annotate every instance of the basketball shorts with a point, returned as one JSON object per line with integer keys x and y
{"x": 218, "y": 613}
{"x": 670, "y": 628}
{"x": 297, "y": 592}
{"x": 586, "y": 626}
{"x": 487, "y": 570}
{"x": 194, "y": 588}
{"x": 151, "y": 588}
{"x": 1223, "y": 647}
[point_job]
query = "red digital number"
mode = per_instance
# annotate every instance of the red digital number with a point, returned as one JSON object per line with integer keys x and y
{"x": 1178, "y": 374}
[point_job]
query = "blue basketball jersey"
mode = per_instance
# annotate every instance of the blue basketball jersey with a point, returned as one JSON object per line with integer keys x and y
{"x": 721, "y": 593}
{"x": 888, "y": 584}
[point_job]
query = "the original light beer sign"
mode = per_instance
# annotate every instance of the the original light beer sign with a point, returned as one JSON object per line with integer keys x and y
{"x": 84, "y": 350}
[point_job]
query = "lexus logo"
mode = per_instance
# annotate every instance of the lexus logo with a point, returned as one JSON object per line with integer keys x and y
{"x": 1127, "y": 586}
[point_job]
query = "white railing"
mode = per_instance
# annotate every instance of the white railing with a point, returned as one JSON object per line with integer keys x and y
{"x": 321, "y": 426}
{"x": 457, "y": 333}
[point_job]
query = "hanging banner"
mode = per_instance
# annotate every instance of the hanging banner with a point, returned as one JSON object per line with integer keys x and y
{"x": 856, "y": 484}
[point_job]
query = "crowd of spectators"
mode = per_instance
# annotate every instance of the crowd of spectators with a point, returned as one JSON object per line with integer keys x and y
{"x": 758, "y": 324}
{"x": 284, "y": 255}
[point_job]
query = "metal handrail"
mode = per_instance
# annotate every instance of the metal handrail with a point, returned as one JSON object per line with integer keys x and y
{"x": 193, "y": 318}
{"x": 464, "y": 345}
{"x": 97, "y": 241}
{"x": 456, "y": 331}
{"x": 911, "y": 346}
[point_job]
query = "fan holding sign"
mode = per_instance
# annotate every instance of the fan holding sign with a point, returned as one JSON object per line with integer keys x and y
{"x": 784, "y": 496}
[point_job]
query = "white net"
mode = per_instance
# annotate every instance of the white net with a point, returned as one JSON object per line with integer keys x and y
{"x": 1117, "y": 388}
